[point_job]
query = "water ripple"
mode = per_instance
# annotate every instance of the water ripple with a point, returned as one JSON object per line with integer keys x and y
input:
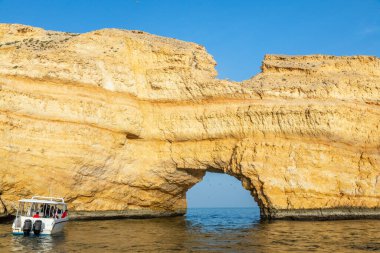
{"x": 203, "y": 230}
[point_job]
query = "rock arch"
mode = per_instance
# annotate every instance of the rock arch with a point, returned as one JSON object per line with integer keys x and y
{"x": 127, "y": 131}
{"x": 231, "y": 164}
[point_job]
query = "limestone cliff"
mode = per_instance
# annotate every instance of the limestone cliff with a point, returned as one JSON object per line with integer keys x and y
{"x": 124, "y": 123}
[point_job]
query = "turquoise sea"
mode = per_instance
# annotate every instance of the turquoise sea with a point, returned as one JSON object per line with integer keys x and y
{"x": 203, "y": 230}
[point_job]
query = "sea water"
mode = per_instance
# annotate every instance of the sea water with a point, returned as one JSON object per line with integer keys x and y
{"x": 203, "y": 230}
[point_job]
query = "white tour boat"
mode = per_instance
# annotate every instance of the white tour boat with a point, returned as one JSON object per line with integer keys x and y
{"x": 40, "y": 216}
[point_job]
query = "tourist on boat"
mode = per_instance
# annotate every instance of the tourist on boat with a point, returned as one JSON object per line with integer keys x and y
{"x": 51, "y": 212}
{"x": 47, "y": 211}
{"x": 54, "y": 212}
{"x": 64, "y": 214}
{"x": 37, "y": 215}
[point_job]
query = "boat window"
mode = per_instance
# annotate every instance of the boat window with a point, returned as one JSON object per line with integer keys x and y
{"x": 34, "y": 209}
{"x": 25, "y": 209}
{"x": 53, "y": 211}
{"x": 45, "y": 210}
{"x": 60, "y": 210}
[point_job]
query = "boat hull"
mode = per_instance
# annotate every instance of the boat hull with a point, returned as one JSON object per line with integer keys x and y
{"x": 50, "y": 226}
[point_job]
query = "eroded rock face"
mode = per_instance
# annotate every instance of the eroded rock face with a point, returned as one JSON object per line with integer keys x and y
{"x": 124, "y": 123}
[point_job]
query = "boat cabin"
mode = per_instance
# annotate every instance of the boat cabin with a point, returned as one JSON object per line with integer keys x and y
{"x": 42, "y": 207}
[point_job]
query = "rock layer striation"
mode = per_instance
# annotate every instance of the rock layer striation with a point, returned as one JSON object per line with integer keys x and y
{"x": 123, "y": 123}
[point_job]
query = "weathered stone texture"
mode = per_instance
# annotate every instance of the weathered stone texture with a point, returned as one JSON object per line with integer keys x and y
{"x": 122, "y": 121}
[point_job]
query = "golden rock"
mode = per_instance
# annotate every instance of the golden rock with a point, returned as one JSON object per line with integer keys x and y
{"x": 123, "y": 123}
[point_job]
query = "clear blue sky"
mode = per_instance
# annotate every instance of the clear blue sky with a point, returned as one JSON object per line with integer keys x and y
{"x": 219, "y": 190}
{"x": 236, "y": 33}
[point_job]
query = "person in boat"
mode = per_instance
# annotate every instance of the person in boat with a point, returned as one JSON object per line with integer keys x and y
{"x": 42, "y": 208}
{"x": 47, "y": 211}
{"x": 64, "y": 214}
{"x": 51, "y": 211}
{"x": 37, "y": 215}
{"x": 56, "y": 213}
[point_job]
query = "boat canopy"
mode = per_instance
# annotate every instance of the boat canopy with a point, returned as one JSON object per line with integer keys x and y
{"x": 44, "y": 200}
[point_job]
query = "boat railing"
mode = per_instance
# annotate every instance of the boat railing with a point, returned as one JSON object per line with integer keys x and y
{"x": 49, "y": 198}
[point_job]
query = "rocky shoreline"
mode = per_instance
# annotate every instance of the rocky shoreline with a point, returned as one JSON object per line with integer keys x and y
{"x": 344, "y": 213}
{"x": 297, "y": 215}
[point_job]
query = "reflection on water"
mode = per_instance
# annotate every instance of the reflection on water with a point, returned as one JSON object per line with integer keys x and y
{"x": 36, "y": 244}
{"x": 203, "y": 230}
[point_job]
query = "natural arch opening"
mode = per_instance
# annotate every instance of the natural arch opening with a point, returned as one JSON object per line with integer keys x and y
{"x": 219, "y": 190}
{"x": 219, "y": 201}
{"x": 249, "y": 186}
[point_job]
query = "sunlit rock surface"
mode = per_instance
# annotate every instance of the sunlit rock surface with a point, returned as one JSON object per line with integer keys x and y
{"x": 123, "y": 123}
